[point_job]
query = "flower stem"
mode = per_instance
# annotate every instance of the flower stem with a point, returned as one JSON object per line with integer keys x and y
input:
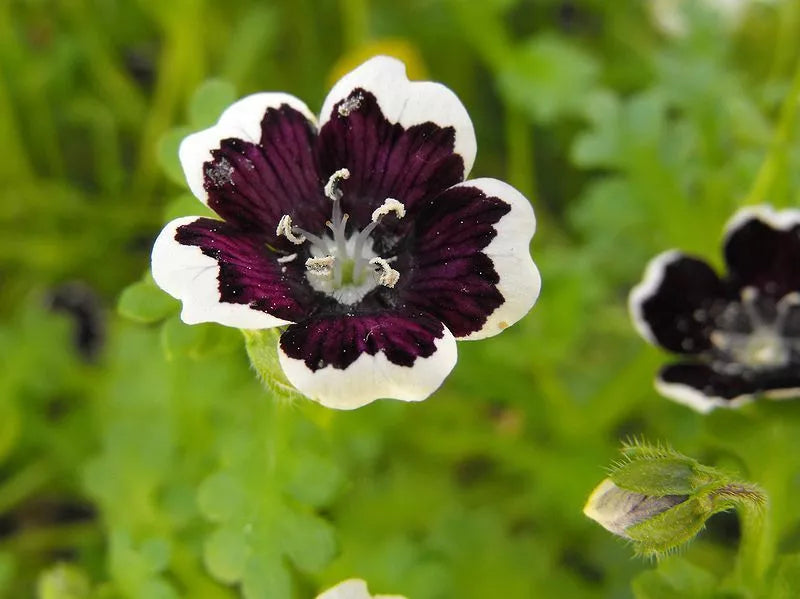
{"x": 775, "y": 160}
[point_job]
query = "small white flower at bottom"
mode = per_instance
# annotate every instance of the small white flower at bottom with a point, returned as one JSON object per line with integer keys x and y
{"x": 353, "y": 588}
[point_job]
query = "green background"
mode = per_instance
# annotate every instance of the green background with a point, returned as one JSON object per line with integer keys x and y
{"x": 159, "y": 467}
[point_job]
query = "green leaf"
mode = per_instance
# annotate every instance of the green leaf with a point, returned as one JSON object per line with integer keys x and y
{"x": 308, "y": 540}
{"x": 226, "y": 553}
{"x": 549, "y": 77}
{"x": 197, "y": 341}
{"x": 145, "y": 303}
{"x": 187, "y": 205}
{"x": 208, "y": 102}
{"x": 221, "y": 496}
{"x": 787, "y": 580}
{"x": 314, "y": 479}
{"x": 63, "y": 581}
{"x": 167, "y": 153}
{"x": 266, "y": 576}
{"x": 674, "y": 577}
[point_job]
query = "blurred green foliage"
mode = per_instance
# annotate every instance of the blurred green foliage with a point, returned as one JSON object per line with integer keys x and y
{"x": 157, "y": 466}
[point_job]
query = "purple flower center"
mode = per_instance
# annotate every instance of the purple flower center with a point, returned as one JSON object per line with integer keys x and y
{"x": 345, "y": 267}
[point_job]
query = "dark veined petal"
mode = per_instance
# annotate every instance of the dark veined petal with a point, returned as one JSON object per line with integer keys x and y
{"x": 762, "y": 249}
{"x": 673, "y": 305}
{"x": 346, "y": 361}
{"x": 223, "y": 275}
{"x": 258, "y": 163}
{"x": 469, "y": 263}
{"x": 703, "y": 388}
{"x": 398, "y": 139}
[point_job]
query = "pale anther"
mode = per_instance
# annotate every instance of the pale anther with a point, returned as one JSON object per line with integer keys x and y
{"x": 285, "y": 228}
{"x": 389, "y": 205}
{"x": 388, "y": 276}
{"x": 332, "y": 186}
{"x": 320, "y": 267}
{"x": 285, "y": 259}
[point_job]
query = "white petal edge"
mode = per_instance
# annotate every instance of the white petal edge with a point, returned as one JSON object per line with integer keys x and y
{"x": 647, "y": 288}
{"x": 370, "y": 378}
{"x": 190, "y": 276}
{"x": 353, "y": 589}
{"x": 241, "y": 120}
{"x": 777, "y": 219}
{"x": 696, "y": 399}
{"x": 407, "y": 102}
{"x": 520, "y": 281}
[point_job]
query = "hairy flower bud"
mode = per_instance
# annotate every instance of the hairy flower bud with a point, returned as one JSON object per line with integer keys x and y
{"x": 660, "y": 499}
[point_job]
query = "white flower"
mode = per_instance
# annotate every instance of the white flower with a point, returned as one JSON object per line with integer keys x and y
{"x": 353, "y": 589}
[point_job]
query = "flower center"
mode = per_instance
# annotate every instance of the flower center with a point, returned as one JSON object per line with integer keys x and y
{"x": 344, "y": 266}
{"x": 752, "y": 333}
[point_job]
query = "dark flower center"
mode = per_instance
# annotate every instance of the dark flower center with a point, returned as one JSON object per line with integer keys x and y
{"x": 345, "y": 267}
{"x": 753, "y": 333}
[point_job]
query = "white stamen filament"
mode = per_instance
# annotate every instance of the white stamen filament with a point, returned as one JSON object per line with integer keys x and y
{"x": 388, "y": 276}
{"x": 320, "y": 267}
{"x": 339, "y": 265}
{"x": 285, "y": 228}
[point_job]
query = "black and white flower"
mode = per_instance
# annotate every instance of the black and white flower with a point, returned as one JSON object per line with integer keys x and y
{"x": 357, "y": 232}
{"x": 739, "y": 334}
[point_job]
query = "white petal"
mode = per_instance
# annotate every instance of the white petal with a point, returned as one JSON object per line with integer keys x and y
{"x": 241, "y": 120}
{"x": 782, "y": 220}
{"x": 353, "y": 589}
{"x": 520, "y": 281}
{"x": 695, "y": 399}
{"x": 187, "y": 274}
{"x": 407, "y": 103}
{"x": 647, "y": 288}
{"x": 373, "y": 377}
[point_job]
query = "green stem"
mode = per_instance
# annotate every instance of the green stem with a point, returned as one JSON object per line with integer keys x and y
{"x": 775, "y": 161}
{"x": 756, "y": 547}
{"x": 23, "y": 484}
{"x": 355, "y": 22}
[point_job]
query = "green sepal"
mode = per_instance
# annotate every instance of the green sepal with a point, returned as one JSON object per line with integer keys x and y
{"x": 262, "y": 349}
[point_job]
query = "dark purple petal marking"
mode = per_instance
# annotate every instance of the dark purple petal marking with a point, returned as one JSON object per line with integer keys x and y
{"x": 728, "y": 386}
{"x": 446, "y": 274}
{"x": 248, "y": 272}
{"x": 680, "y": 310}
{"x": 764, "y": 257}
{"x": 339, "y": 339}
{"x": 253, "y": 185}
{"x": 385, "y": 160}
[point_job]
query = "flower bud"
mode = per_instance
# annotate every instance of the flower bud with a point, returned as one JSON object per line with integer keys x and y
{"x": 660, "y": 499}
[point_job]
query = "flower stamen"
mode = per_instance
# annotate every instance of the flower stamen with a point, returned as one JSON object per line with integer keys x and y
{"x": 285, "y": 228}
{"x": 389, "y": 205}
{"x": 321, "y": 267}
{"x": 332, "y": 190}
{"x": 388, "y": 276}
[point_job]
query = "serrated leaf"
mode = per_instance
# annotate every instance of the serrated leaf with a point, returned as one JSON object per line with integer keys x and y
{"x": 145, "y": 303}
{"x": 209, "y": 101}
